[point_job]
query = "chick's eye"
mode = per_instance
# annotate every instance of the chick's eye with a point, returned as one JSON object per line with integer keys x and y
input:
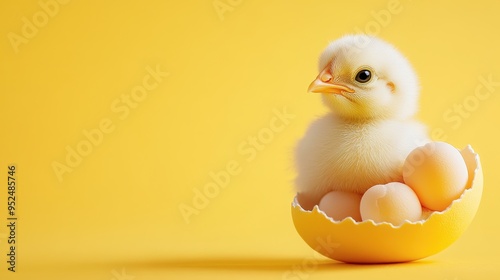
{"x": 363, "y": 76}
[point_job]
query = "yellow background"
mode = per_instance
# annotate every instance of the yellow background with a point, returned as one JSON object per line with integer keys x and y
{"x": 118, "y": 210}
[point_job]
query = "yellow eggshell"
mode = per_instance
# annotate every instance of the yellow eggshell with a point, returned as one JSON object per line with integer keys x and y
{"x": 367, "y": 242}
{"x": 437, "y": 173}
{"x": 339, "y": 205}
{"x": 394, "y": 203}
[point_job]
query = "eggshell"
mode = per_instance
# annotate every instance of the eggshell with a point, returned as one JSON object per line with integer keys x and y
{"x": 368, "y": 242}
{"x": 340, "y": 205}
{"x": 437, "y": 173}
{"x": 394, "y": 203}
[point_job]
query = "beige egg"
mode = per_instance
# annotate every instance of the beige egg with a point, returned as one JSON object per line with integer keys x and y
{"x": 340, "y": 205}
{"x": 437, "y": 173}
{"x": 370, "y": 242}
{"x": 394, "y": 203}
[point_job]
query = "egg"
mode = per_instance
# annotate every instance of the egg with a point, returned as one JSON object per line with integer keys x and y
{"x": 339, "y": 205}
{"x": 394, "y": 203}
{"x": 437, "y": 173}
{"x": 370, "y": 242}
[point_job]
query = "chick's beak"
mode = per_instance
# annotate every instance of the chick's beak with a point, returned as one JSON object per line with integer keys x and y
{"x": 324, "y": 84}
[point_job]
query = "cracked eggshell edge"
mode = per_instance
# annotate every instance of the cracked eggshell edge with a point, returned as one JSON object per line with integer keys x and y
{"x": 370, "y": 242}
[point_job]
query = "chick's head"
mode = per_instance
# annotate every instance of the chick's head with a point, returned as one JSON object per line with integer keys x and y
{"x": 364, "y": 78}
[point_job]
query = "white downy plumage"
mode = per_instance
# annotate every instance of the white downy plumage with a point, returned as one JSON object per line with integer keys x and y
{"x": 372, "y": 92}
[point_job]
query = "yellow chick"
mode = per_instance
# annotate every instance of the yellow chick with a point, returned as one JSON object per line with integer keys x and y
{"x": 372, "y": 93}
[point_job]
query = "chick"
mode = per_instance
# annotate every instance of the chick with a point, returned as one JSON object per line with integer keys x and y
{"x": 372, "y": 93}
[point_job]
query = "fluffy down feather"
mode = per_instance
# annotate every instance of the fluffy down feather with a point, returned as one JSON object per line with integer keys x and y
{"x": 365, "y": 138}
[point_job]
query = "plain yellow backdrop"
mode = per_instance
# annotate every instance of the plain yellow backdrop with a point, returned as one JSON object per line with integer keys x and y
{"x": 234, "y": 104}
